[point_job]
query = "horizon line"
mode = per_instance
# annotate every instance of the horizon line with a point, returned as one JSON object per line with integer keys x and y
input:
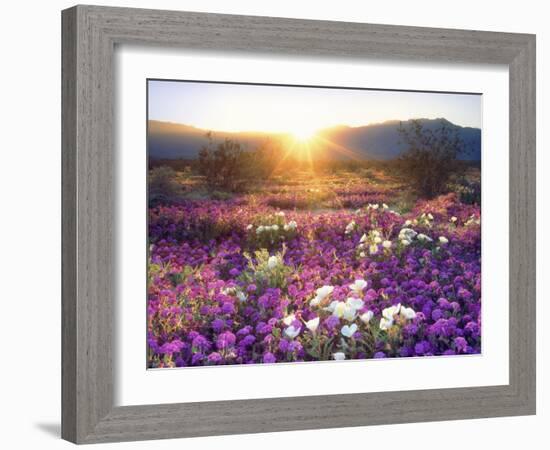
{"x": 337, "y": 125}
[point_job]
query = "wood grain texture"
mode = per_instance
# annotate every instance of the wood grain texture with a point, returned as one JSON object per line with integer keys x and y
{"x": 68, "y": 226}
{"x": 90, "y": 34}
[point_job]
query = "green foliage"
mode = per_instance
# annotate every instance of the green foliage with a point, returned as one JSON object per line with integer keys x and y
{"x": 269, "y": 231}
{"x": 431, "y": 157}
{"x": 405, "y": 201}
{"x": 469, "y": 192}
{"x": 265, "y": 270}
{"x": 186, "y": 272}
{"x": 220, "y": 195}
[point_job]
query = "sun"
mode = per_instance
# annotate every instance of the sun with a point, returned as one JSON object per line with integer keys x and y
{"x": 303, "y": 134}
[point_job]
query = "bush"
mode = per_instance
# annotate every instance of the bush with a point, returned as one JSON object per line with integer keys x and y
{"x": 265, "y": 270}
{"x": 469, "y": 192}
{"x": 431, "y": 157}
{"x": 163, "y": 185}
{"x": 221, "y": 165}
{"x": 228, "y": 166}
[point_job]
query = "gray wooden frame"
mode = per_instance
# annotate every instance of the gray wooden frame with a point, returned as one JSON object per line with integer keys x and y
{"x": 89, "y": 37}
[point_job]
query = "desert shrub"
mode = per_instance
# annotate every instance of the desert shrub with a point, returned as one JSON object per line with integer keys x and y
{"x": 228, "y": 166}
{"x": 469, "y": 192}
{"x": 163, "y": 185}
{"x": 260, "y": 164}
{"x": 431, "y": 158}
{"x": 221, "y": 164}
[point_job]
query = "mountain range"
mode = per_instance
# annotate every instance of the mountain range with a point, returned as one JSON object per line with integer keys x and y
{"x": 167, "y": 140}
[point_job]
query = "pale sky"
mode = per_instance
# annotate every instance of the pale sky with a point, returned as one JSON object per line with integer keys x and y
{"x": 237, "y": 107}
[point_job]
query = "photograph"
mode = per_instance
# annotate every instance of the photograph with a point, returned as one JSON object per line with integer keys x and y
{"x": 256, "y": 225}
{"x": 292, "y": 223}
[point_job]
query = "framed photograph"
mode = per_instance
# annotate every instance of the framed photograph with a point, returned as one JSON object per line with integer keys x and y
{"x": 278, "y": 224}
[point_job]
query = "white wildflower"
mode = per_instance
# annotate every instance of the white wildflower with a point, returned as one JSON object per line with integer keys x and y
{"x": 391, "y": 311}
{"x": 366, "y": 317}
{"x": 350, "y": 313}
{"x": 407, "y": 233}
{"x": 385, "y": 324}
{"x": 423, "y": 238}
{"x": 292, "y": 225}
{"x": 289, "y": 319}
{"x": 272, "y": 262}
{"x": 313, "y": 324}
{"x": 314, "y": 301}
{"x": 349, "y": 330}
{"x": 358, "y": 286}
{"x": 355, "y": 303}
{"x": 338, "y": 308}
{"x": 407, "y": 313}
{"x": 321, "y": 294}
{"x": 342, "y": 310}
{"x": 292, "y": 332}
{"x": 332, "y": 306}
{"x": 350, "y": 227}
{"x": 339, "y": 356}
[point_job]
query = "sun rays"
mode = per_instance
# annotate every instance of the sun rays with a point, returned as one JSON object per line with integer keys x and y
{"x": 309, "y": 146}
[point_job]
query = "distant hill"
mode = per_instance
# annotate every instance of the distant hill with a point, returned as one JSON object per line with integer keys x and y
{"x": 377, "y": 141}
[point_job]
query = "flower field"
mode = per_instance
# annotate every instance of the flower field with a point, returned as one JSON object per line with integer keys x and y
{"x": 330, "y": 268}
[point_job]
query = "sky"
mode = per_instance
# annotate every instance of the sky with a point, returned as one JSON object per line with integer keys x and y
{"x": 299, "y": 110}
